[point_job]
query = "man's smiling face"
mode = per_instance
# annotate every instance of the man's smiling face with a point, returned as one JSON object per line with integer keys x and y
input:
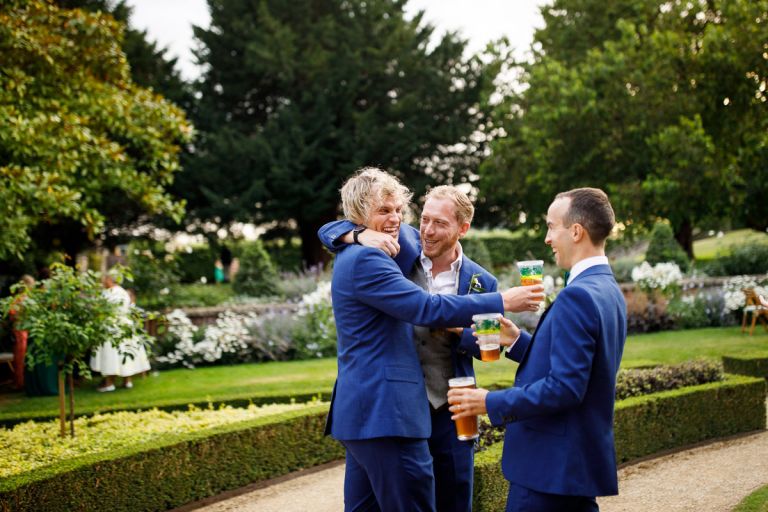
{"x": 439, "y": 228}
{"x": 559, "y": 235}
{"x": 385, "y": 216}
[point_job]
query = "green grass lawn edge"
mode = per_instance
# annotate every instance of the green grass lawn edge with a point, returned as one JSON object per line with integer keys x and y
{"x": 755, "y": 502}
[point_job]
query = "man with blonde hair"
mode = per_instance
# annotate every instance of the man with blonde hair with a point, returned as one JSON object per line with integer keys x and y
{"x": 439, "y": 268}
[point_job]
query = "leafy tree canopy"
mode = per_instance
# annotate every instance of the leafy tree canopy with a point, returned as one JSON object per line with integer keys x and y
{"x": 78, "y": 139}
{"x": 663, "y": 104}
{"x": 298, "y": 95}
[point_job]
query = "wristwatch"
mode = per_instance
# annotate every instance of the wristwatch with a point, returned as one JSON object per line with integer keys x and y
{"x": 356, "y": 232}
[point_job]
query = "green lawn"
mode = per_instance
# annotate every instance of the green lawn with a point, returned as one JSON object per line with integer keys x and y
{"x": 755, "y": 502}
{"x": 708, "y": 248}
{"x": 223, "y": 383}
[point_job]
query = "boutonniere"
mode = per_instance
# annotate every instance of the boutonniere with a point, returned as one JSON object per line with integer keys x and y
{"x": 474, "y": 284}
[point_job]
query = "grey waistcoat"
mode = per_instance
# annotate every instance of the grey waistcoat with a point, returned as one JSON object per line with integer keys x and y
{"x": 434, "y": 349}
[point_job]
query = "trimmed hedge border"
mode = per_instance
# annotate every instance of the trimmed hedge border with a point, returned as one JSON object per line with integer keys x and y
{"x": 324, "y": 396}
{"x": 176, "y": 469}
{"x": 179, "y": 469}
{"x": 670, "y": 419}
{"x": 754, "y": 366}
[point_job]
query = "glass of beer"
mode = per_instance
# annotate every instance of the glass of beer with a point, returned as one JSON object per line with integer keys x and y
{"x": 487, "y": 329}
{"x": 531, "y": 272}
{"x": 466, "y": 428}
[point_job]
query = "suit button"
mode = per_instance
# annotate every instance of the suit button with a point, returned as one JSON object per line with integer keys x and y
{"x": 423, "y": 343}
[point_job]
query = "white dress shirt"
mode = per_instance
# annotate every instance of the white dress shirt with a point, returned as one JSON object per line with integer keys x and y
{"x": 584, "y": 264}
{"x": 445, "y": 283}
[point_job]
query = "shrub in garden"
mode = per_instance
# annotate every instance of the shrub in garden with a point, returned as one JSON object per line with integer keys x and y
{"x": 316, "y": 335}
{"x": 634, "y": 382}
{"x": 285, "y": 253}
{"x": 241, "y": 338}
{"x": 705, "y": 309}
{"x": 196, "y": 263}
{"x": 476, "y": 250}
{"x": 292, "y": 286}
{"x": 68, "y": 316}
{"x": 622, "y": 269}
{"x": 29, "y": 446}
{"x": 637, "y": 381}
{"x": 749, "y": 258}
{"x": 257, "y": 275}
{"x": 664, "y": 248}
{"x": 154, "y": 271}
{"x": 733, "y": 291}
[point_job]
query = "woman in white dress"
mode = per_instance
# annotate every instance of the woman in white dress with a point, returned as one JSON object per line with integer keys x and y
{"x": 130, "y": 357}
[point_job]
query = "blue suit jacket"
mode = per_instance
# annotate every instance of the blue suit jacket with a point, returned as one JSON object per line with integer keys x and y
{"x": 380, "y": 388}
{"x": 559, "y": 414}
{"x": 465, "y": 346}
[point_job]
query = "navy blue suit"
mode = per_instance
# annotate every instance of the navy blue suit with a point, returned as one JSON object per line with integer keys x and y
{"x": 559, "y": 414}
{"x": 453, "y": 459}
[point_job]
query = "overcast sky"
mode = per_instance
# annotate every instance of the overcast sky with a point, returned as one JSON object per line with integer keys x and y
{"x": 169, "y": 22}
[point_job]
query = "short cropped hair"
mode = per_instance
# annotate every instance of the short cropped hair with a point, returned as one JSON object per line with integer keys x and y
{"x": 591, "y": 208}
{"x": 463, "y": 206}
{"x": 367, "y": 186}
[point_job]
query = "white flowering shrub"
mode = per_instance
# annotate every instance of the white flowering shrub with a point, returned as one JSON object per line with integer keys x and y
{"x": 664, "y": 277}
{"x": 317, "y": 336}
{"x": 238, "y": 338}
{"x": 734, "y": 294}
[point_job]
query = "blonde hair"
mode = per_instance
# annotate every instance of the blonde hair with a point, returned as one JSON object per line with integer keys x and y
{"x": 463, "y": 206}
{"x": 365, "y": 187}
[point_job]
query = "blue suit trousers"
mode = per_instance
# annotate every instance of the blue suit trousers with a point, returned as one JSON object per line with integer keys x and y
{"x": 388, "y": 474}
{"x": 453, "y": 461}
{"x": 522, "y": 499}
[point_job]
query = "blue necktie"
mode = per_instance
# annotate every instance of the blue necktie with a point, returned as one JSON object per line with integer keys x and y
{"x": 567, "y": 276}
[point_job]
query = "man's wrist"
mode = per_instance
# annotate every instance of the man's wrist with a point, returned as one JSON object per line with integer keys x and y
{"x": 356, "y": 233}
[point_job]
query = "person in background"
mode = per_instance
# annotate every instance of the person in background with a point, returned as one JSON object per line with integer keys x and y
{"x": 130, "y": 357}
{"x": 218, "y": 272}
{"x": 20, "y": 337}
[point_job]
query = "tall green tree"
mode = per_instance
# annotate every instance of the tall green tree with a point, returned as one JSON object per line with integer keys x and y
{"x": 151, "y": 66}
{"x": 75, "y": 131}
{"x": 661, "y": 103}
{"x": 298, "y": 95}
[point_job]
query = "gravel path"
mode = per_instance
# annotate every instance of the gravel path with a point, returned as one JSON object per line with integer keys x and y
{"x": 710, "y": 478}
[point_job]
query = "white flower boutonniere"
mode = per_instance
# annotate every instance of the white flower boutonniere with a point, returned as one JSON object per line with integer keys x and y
{"x": 474, "y": 284}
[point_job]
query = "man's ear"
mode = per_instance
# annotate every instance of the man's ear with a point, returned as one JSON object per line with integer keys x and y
{"x": 577, "y": 232}
{"x": 463, "y": 229}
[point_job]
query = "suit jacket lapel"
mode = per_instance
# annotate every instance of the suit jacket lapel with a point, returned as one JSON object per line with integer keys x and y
{"x": 536, "y": 331}
{"x": 465, "y": 275}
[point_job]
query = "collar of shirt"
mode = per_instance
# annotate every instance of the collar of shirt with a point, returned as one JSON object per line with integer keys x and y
{"x": 584, "y": 264}
{"x": 445, "y": 282}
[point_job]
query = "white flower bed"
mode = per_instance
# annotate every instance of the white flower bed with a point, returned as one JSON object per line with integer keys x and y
{"x": 662, "y": 276}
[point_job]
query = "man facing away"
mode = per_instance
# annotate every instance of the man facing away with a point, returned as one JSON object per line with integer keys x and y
{"x": 558, "y": 447}
{"x": 440, "y": 267}
{"x": 379, "y": 409}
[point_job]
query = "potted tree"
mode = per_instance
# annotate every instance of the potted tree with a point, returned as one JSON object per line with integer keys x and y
{"x": 67, "y": 316}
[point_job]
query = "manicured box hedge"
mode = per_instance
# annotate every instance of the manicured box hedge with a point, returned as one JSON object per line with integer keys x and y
{"x": 183, "y": 468}
{"x": 177, "y": 469}
{"x": 754, "y": 366}
{"x": 8, "y": 421}
{"x": 648, "y": 424}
